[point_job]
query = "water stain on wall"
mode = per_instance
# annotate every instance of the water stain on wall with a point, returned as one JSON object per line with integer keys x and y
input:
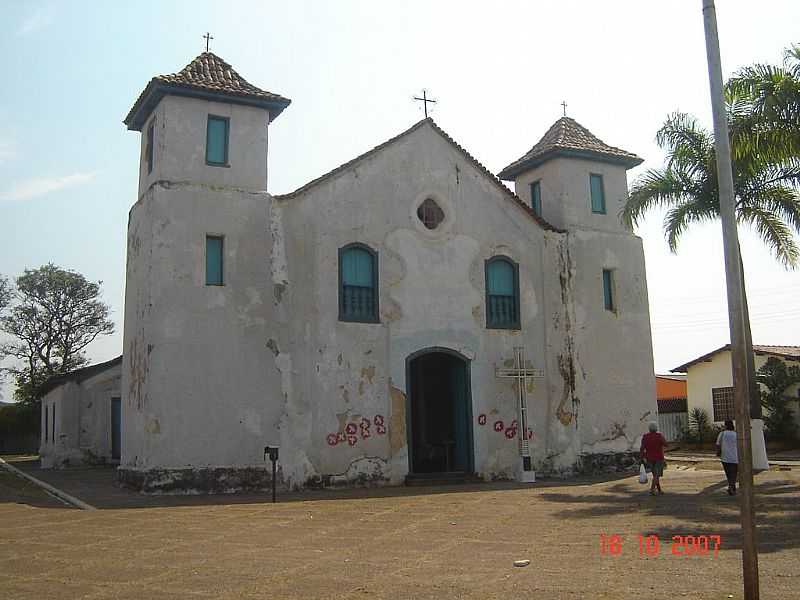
{"x": 397, "y": 420}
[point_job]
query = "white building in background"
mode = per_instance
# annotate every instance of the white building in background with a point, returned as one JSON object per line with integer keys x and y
{"x": 81, "y": 416}
{"x": 357, "y": 322}
{"x": 710, "y": 379}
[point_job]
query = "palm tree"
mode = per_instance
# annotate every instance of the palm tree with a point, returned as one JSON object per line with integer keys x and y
{"x": 766, "y": 191}
{"x": 764, "y": 105}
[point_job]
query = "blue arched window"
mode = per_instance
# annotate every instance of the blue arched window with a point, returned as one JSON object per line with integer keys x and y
{"x": 358, "y": 284}
{"x": 502, "y": 293}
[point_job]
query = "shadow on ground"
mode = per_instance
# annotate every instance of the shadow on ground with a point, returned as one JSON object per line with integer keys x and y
{"x": 98, "y": 487}
{"x": 697, "y": 511}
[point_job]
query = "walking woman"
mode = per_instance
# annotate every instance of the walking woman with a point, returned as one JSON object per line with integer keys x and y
{"x": 652, "y": 453}
{"x": 728, "y": 454}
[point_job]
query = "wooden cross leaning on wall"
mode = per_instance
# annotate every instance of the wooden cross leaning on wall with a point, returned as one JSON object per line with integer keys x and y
{"x": 521, "y": 373}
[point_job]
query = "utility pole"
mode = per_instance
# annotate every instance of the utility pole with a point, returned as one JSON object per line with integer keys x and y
{"x": 734, "y": 278}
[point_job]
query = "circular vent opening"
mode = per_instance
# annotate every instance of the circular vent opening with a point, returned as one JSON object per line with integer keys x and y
{"x": 430, "y": 214}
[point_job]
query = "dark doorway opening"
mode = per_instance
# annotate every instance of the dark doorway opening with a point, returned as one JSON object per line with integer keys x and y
{"x": 440, "y": 413}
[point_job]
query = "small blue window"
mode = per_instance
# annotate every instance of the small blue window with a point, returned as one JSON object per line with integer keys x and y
{"x": 536, "y": 197}
{"x": 358, "y": 284}
{"x": 598, "y": 194}
{"x": 608, "y": 289}
{"x": 502, "y": 294}
{"x": 217, "y": 140}
{"x": 214, "y": 260}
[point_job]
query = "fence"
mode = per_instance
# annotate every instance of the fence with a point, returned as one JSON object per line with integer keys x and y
{"x": 672, "y": 425}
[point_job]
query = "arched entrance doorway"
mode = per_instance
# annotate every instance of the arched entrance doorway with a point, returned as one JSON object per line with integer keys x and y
{"x": 439, "y": 412}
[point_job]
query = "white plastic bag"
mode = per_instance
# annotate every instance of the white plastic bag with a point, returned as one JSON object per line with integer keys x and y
{"x": 642, "y": 474}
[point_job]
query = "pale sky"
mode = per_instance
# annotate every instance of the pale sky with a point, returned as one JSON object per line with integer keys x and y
{"x": 499, "y": 70}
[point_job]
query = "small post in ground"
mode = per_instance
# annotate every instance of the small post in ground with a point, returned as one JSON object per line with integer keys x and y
{"x": 272, "y": 451}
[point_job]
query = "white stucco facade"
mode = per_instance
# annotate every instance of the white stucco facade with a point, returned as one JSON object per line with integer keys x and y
{"x": 77, "y": 425}
{"x": 212, "y": 374}
{"x": 715, "y": 372}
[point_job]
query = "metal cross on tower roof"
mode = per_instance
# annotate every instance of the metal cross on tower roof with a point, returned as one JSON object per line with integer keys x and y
{"x": 425, "y": 101}
{"x": 564, "y": 106}
{"x": 522, "y": 373}
{"x": 208, "y": 37}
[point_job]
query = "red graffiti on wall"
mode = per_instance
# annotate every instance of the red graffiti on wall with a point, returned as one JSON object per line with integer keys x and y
{"x": 509, "y": 431}
{"x": 354, "y": 430}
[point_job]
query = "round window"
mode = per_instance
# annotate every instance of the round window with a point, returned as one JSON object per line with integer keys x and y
{"x": 430, "y": 213}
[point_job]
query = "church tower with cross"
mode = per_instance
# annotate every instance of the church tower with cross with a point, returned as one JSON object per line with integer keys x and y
{"x": 202, "y": 174}
{"x": 404, "y": 317}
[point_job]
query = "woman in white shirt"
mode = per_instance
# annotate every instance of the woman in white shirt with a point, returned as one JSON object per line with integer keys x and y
{"x": 726, "y": 450}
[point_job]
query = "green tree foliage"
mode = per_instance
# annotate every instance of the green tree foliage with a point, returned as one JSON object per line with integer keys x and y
{"x": 766, "y": 192}
{"x": 699, "y": 425}
{"x": 18, "y": 418}
{"x": 55, "y": 315}
{"x": 777, "y": 377}
{"x": 764, "y": 103}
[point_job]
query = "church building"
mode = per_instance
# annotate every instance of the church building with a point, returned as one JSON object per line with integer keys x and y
{"x": 402, "y": 317}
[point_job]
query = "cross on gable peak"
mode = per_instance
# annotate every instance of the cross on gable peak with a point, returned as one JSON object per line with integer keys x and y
{"x": 425, "y": 100}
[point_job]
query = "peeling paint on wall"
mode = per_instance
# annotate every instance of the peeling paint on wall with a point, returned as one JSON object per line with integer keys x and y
{"x": 566, "y": 360}
{"x": 278, "y": 265}
{"x": 397, "y": 420}
{"x": 139, "y": 367}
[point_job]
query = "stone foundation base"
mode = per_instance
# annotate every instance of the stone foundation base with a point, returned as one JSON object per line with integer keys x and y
{"x": 204, "y": 480}
{"x": 611, "y": 462}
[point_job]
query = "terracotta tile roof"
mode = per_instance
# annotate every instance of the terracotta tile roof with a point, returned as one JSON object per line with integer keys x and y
{"x": 789, "y": 352}
{"x": 499, "y": 184}
{"x": 207, "y": 76}
{"x": 567, "y": 137}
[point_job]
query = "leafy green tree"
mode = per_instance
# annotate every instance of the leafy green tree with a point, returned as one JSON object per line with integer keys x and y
{"x": 764, "y": 104}
{"x": 699, "y": 425}
{"x": 777, "y": 377}
{"x": 55, "y": 315}
{"x": 766, "y": 192}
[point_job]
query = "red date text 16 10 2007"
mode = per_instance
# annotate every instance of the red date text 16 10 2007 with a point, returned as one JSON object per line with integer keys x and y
{"x": 650, "y": 545}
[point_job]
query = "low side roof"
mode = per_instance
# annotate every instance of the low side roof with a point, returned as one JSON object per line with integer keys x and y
{"x": 789, "y": 352}
{"x": 471, "y": 159}
{"x": 79, "y": 375}
{"x": 207, "y": 77}
{"x": 567, "y": 137}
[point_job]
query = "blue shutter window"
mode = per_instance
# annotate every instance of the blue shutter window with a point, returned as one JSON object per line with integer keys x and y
{"x": 608, "y": 289}
{"x": 358, "y": 284}
{"x": 598, "y": 194}
{"x": 149, "y": 148}
{"x": 217, "y": 140}
{"x": 536, "y": 197}
{"x": 213, "y": 260}
{"x": 502, "y": 294}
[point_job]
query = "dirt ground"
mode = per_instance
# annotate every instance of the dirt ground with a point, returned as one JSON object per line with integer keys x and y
{"x": 445, "y": 542}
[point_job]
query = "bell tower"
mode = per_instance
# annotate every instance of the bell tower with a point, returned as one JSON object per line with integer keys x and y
{"x": 573, "y": 179}
{"x": 197, "y": 309}
{"x": 204, "y": 124}
{"x": 579, "y": 184}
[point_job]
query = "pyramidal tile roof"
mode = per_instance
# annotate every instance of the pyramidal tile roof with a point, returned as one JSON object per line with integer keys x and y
{"x": 207, "y": 76}
{"x": 567, "y": 137}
